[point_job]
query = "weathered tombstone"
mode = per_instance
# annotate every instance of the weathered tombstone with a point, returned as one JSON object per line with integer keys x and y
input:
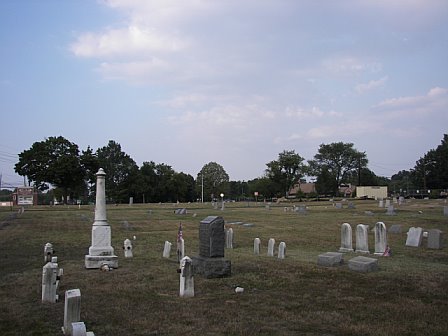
{"x": 435, "y": 239}
{"x": 72, "y": 309}
{"x": 330, "y": 259}
{"x": 167, "y": 249}
{"x": 351, "y": 205}
{"x": 381, "y": 204}
{"x": 338, "y": 205}
{"x": 301, "y": 209}
{"x": 257, "y": 243}
{"x": 395, "y": 228}
{"x": 48, "y": 252}
{"x": 415, "y": 237}
{"x": 50, "y": 281}
{"x": 362, "y": 238}
{"x": 79, "y": 329}
{"x": 401, "y": 200}
{"x": 271, "y": 245}
{"x": 363, "y": 264}
{"x": 180, "y": 249}
{"x": 186, "y": 277}
{"x": 346, "y": 238}
{"x": 390, "y": 210}
{"x": 101, "y": 252}
{"x": 229, "y": 238}
{"x": 131, "y": 201}
{"x": 380, "y": 238}
{"x": 211, "y": 263}
{"x": 127, "y": 247}
{"x": 281, "y": 250}
{"x": 445, "y": 210}
{"x": 181, "y": 211}
{"x": 387, "y": 203}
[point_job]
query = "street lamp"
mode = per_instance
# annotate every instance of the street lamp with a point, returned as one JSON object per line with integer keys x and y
{"x": 222, "y": 201}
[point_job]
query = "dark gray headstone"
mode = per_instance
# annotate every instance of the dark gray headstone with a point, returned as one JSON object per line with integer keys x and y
{"x": 435, "y": 239}
{"x": 212, "y": 237}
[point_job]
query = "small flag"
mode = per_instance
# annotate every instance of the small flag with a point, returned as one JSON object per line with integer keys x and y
{"x": 387, "y": 252}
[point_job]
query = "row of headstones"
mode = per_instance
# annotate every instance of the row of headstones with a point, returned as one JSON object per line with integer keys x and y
{"x": 386, "y": 203}
{"x": 416, "y": 234}
{"x": 51, "y": 275}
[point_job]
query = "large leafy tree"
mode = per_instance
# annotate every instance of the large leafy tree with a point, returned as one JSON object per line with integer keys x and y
{"x": 431, "y": 171}
{"x": 334, "y": 163}
{"x": 121, "y": 172}
{"x": 214, "y": 179}
{"x": 287, "y": 170}
{"x": 53, "y": 161}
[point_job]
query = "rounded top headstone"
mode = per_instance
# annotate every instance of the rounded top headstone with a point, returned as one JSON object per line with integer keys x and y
{"x": 101, "y": 172}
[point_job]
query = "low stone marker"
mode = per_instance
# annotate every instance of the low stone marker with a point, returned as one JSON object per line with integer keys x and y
{"x": 186, "y": 278}
{"x": 79, "y": 329}
{"x": 181, "y": 211}
{"x": 435, "y": 239}
{"x": 338, "y": 205}
{"x": 72, "y": 310}
{"x": 48, "y": 252}
{"x": 415, "y": 237}
{"x": 387, "y": 204}
{"x": 229, "y": 238}
{"x": 445, "y": 210}
{"x": 257, "y": 243}
{"x": 390, "y": 211}
{"x": 271, "y": 245}
{"x": 395, "y": 228}
{"x": 381, "y": 204}
{"x": 330, "y": 259}
{"x": 351, "y": 205}
{"x": 281, "y": 250}
{"x": 301, "y": 210}
{"x": 127, "y": 247}
{"x": 167, "y": 250}
{"x": 363, "y": 264}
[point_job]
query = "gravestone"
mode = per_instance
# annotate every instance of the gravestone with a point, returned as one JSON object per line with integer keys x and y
{"x": 281, "y": 250}
{"x": 387, "y": 203}
{"x": 363, "y": 264}
{"x": 346, "y": 238}
{"x": 131, "y": 201}
{"x": 445, "y": 210}
{"x": 101, "y": 252}
{"x": 229, "y": 238}
{"x": 167, "y": 250}
{"x": 127, "y": 247}
{"x": 186, "y": 278}
{"x": 271, "y": 245}
{"x": 351, "y": 205}
{"x": 330, "y": 259}
{"x": 401, "y": 200}
{"x": 257, "y": 243}
{"x": 380, "y": 238}
{"x": 48, "y": 252}
{"x": 415, "y": 237}
{"x": 381, "y": 204}
{"x": 390, "y": 211}
{"x": 338, "y": 205}
{"x": 181, "y": 211}
{"x": 51, "y": 275}
{"x": 362, "y": 238}
{"x": 72, "y": 309}
{"x": 79, "y": 329}
{"x": 395, "y": 228}
{"x": 180, "y": 251}
{"x": 301, "y": 209}
{"x": 211, "y": 263}
{"x": 435, "y": 239}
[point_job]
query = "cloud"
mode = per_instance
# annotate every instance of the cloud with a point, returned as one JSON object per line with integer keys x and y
{"x": 313, "y": 112}
{"x": 373, "y": 84}
{"x": 348, "y": 66}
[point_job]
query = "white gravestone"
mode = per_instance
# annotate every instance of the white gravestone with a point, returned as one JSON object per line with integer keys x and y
{"x": 180, "y": 249}
{"x": 281, "y": 250}
{"x": 186, "y": 278}
{"x": 167, "y": 249}
{"x": 257, "y": 243}
{"x": 229, "y": 238}
{"x": 79, "y": 329}
{"x": 445, "y": 210}
{"x": 415, "y": 236}
{"x": 380, "y": 238}
{"x": 50, "y": 281}
{"x": 72, "y": 310}
{"x": 387, "y": 204}
{"x": 48, "y": 252}
{"x": 101, "y": 252}
{"x": 131, "y": 200}
{"x": 381, "y": 204}
{"x": 330, "y": 259}
{"x": 127, "y": 247}
{"x": 271, "y": 245}
{"x": 346, "y": 238}
{"x": 362, "y": 238}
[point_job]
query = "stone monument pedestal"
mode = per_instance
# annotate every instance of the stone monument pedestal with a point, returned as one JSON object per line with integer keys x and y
{"x": 212, "y": 267}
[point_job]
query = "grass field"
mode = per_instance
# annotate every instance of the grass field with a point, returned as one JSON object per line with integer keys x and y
{"x": 294, "y": 296}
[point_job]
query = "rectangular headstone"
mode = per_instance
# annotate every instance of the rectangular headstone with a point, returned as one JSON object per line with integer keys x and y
{"x": 363, "y": 264}
{"x": 72, "y": 311}
{"x": 211, "y": 237}
{"x": 330, "y": 259}
{"x": 445, "y": 210}
{"x": 435, "y": 239}
{"x": 415, "y": 236}
{"x": 338, "y": 205}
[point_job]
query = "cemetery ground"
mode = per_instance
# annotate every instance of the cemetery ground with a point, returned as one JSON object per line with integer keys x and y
{"x": 408, "y": 295}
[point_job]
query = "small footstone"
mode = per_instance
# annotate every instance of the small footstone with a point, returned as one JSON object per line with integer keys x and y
{"x": 363, "y": 264}
{"x": 330, "y": 259}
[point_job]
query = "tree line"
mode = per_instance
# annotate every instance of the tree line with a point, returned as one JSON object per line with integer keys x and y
{"x": 58, "y": 163}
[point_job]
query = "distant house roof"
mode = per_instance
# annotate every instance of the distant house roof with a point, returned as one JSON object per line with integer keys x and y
{"x": 306, "y": 188}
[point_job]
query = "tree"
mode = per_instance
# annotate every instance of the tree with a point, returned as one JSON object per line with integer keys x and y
{"x": 215, "y": 180}
{"x": 52, "y": 161}
{"x": 334, "y": 162}
{"x": 90, "y": 165}
{"x": 287, "y": 170}
{"x": 121, "y": 172}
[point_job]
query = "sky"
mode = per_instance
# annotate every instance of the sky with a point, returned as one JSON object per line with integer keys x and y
{"x": 188, "y": 82}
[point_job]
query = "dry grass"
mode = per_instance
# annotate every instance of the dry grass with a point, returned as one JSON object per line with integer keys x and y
{"x": 407, "y": 296}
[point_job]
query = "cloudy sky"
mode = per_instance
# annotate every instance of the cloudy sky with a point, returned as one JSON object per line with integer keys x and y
{"x": 187, "y": 82}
